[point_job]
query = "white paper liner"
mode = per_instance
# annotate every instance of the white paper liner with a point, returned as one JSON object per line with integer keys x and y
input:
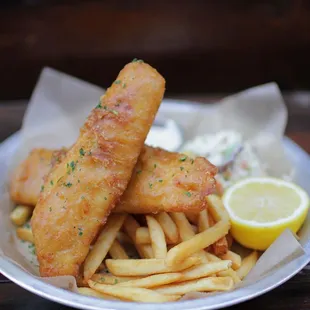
{"x": 60, "y": 104}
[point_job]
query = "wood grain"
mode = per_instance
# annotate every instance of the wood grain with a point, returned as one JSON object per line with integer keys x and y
{"x": 199, "y": 46}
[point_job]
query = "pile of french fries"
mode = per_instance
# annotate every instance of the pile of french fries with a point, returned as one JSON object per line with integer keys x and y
{"x": 178, "y": 253}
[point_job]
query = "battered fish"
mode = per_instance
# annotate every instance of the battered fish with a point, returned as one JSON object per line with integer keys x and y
{"x": 81, "y": 191}
{"x": 28, "y": 178}
{"x": 162, "y": 181}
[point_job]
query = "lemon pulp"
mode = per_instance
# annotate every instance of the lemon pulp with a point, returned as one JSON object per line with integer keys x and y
{"x": 262, "y": 208}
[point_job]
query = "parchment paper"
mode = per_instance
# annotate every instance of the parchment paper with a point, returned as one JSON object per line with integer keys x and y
{"x": 60, "y": 104}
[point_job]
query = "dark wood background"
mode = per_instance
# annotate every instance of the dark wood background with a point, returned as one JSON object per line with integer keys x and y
{"x": 199, "y": 46}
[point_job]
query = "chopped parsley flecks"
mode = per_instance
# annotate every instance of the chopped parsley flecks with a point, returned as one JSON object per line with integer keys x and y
{"x": 102, "y": 279}
{"x": 192, "y": 161}
{"x": 150, "y": 185}
{"x": 139, "y": 171}
{"x": 32, "y": 249}
{"x": 68, "y": 184}
{"x": 82, "y": 197}
{"x": 27, "y": 225}
{"x": 79, "y": 181}
{"x": 183, "y": 158}
{"x": 181, "y": 168}
{"x": 160, "y": 181}
{"x": 137, "y": 60}
{"x": 155, "y": 165}
{"x": 52, "y": 183}
{"x": 124, "y": 85}
{"x": 99, "y": 106}
{"x": 188, "y": 194}
{"x": 118, "y": 82}
{"x": 115, "y": 281}
{"x": 42, "y": 188}
{"x": 80, "y": 231}
{"x": 114, "y": 112}
{"x": 89, "y": 153}
{"x": 82, "y": 152}
{"x": 105, "y": 198}
{"x": 50, "y": 209}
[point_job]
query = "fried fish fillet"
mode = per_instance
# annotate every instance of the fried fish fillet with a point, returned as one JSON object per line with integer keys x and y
{"x": 81, "y": 191}
{"x": 165, "y": 181}
{"x": 27, "y": 180}
{"x": 161, "y": 181}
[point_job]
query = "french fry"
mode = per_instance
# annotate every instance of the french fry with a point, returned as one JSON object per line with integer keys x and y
{"x": 230, "y": 273}
{"x": 158, "y": 239}
{"x": 205, "y": 270}
{"x": 117, "y": 251}
{"x": 154, "y": 280}
{"x": 100, "y": 249}
{"x": 201, "y": 285}
{"x": 92, "y": 293}
{"x": 192, "y": 217}
{"x": 146, "y": 267}
{"x": 226, "y": 273}
{"x": 20, "y": 215}
{"x": 132, "y": 293}
{"x": 203, "y": 220}
{"x": 220, "y": 247}
{"x": 212, "y": 258}
{"x": 130, "y": 227}
{"x": 186, "y": 232}
{"x": 247, "y": 264}
{"x": 169, "y": 227}
{"x": 200, "y": 241}
{"x": 184, "y": 227}
{"x": 217, "y": 209}
{"x": 25, "y": 234}
{"x": 235, "y": 259}
{"x": 105, "y": 278}
{"x": 143, "y": 236}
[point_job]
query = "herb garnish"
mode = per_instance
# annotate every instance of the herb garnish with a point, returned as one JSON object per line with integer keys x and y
{"x": 183, "y": 158}
{"x": 150, "y": 185}
{"x": 160, "y": 181}
{"x": 137, "y": 60}
{"x": 117, "y": 82}
{"x": 181, "y": 168}
{"x": 68, "y": 184}
{"x": 99, "y": 106}
{"x": 188, "y": 194}
{"x": 42, "y": 188}
{"x": 80, "y": 231}
{"x": 82, "y": 152}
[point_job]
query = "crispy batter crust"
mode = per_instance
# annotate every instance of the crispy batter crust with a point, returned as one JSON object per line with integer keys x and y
{"x": 81, "y": 191}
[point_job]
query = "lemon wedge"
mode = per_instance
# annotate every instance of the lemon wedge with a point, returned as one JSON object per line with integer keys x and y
{"x": 260, "y": 209}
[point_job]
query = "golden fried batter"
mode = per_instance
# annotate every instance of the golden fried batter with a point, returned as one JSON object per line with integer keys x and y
{"x": 81, "y": 191}
{"x": 28, "y": 178}
{"x": 164, "y": 181}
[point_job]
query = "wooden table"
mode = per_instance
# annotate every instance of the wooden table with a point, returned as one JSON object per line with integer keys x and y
{"x": 293, "y": 295}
